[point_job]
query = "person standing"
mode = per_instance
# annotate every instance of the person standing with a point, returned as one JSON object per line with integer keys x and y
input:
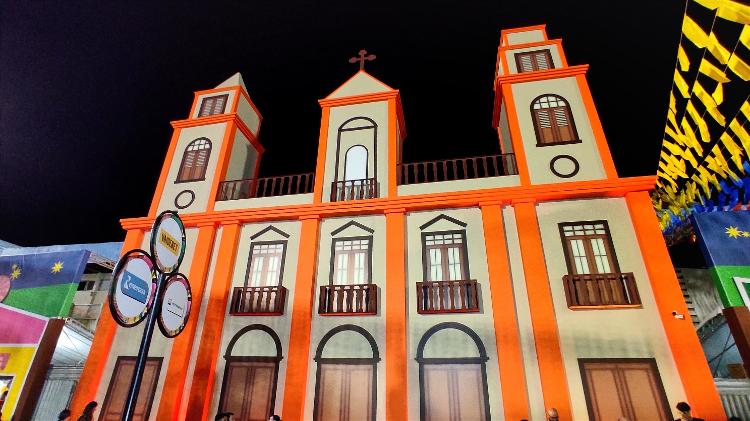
{"x": 224, "y": 416}
{"x": 64, "y": 415}
{"x": 88, "y": 412}
{"x": 686, "y": 412}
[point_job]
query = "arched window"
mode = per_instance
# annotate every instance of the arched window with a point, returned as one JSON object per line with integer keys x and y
{"x": 346, "y": 379}
{"x": 452, "y": 374}
{"x": 252, "y": 367}
{"x": 355, "y": 167}
{"x": 553, "y": 121}
{"x": 195, "y": 160}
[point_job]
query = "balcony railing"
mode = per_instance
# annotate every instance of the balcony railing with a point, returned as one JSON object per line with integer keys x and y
{"x": 354, "y": 189}
{"x": 345, "y": 300}
{"x": 447, "y": 297}
{"x": 266, "y": 187}
{"x": 258, "y": 301}
{"x": 602, "y": 289}
{"x": 457, "y": 169}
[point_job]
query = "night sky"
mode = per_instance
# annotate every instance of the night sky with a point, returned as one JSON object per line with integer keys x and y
{"x": 87, "y": 89}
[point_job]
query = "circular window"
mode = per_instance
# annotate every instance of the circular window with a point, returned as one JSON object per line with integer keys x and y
{"x": 184, "y": 199}
{"x": 564, "y": 166}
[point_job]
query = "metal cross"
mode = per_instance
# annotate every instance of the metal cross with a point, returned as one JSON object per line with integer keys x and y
{"x": 362, "y": 58}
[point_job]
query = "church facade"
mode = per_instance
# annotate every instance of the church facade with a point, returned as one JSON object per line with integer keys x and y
{"x": 483, "y": 288}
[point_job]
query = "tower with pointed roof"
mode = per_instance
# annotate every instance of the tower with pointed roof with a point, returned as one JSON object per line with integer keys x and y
{"x": 496, "y": 287}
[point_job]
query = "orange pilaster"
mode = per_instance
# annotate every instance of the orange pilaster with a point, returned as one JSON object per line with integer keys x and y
{"x": 320, "y": 166}
{"x": 596, "y": 125}
{"x": 393, "y": 166}
{"x": 164, "y": 173}
{"x": 102, "y": 343}
{"x": 507, "y": 337}
{"x": 222, "y": 164}
{"x": 544, "y": 324}
{"x": 515, "y": 135}
{"x": 683, "y": 340}
{"x": 182, "y": 347}
{"x": 201, "y": 390}
{"x": 396, "y": 390}
{"x": 295, "y": 386}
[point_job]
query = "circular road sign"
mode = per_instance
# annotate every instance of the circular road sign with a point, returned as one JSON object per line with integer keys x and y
{"x": 133, "y": 288}
{"x": 168, "y": 242}
{"x": 175, "y": 305}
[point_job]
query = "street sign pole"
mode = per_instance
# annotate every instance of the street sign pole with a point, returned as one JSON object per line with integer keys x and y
{"x": 140, "y": 362}
{"x": 139, "y": 284}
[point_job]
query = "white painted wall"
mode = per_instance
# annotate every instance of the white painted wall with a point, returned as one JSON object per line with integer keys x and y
{"x": 535, "y": 35}
{"x": 538, "y": 158}
{"x": 248, "y": 115}
{"x": 615, "y": 333}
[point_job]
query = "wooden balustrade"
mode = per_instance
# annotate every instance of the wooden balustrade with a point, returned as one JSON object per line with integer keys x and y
{"x": 345, "y": 300}
{"x": 354, "y": 189}
{"x": 258, "y": 301}
{"x": 601, "y": 289}
{"x": 266, "y": 187}
{"x": 447, "y": 297}
{"x": 457, "y": 169}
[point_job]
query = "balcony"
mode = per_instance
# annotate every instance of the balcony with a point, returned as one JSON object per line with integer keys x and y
{"x": 457, "y": 169}
{"x": 435, "y": 297}
{"x": 258, "y": 301}
{"x": 266, "y": 187}
{"x": 348, "y": 300}
{"x": 354, "y": 190}
{"x": 602, "y": 289}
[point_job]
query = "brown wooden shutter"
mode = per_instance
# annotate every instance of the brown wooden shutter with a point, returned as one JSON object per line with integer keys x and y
{"x": 526, "y": 63}
{"x": 249, "y": 389}
{"x": 544, "y": 123}
{"x": 213, "y": 105}
{"x": 114, "y": 402}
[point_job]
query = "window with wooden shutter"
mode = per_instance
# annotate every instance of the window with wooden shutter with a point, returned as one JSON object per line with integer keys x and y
{"x": 266, "y": 264}
{"x": 117, "y": 393}
{"x": 445, "y": 256}
{"x": 588, "y": 248}
{"x": 553, "y": 121}
{"x": 532, "y": 61}
{"x": 351, "y": 261}
{"x": 195, "y": 160}
{"x": 213, "y": 105}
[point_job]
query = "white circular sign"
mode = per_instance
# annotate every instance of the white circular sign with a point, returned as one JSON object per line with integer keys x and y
{"x": 175, "y": 306}
{"x": 168, "y": 242}
{"x": 133, "y": 288}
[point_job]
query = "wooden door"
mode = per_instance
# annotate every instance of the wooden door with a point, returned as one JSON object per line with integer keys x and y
{"x": 249, "y": 389}
{"x": 629, "y": 388}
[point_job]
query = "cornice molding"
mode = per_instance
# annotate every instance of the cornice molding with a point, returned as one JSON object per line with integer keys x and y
{"x": 618, "y": 187}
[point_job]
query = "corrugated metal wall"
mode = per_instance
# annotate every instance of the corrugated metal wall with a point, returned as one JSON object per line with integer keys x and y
{"x": 57, "y": 392}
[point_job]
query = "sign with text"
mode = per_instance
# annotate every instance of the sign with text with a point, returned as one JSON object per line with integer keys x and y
{"x": 175, "y": 306}
{"x": 133, "y": 288}
{"x": 168, "y": 242}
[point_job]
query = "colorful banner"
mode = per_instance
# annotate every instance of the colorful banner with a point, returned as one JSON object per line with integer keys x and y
{"x": 20, "y": 335}
{"x": 724, "y": 238}
{"x": 42, "y": 283}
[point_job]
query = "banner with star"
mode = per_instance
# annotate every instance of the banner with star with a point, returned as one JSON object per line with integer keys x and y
{"x": 724, "y": 239}
{"x": 43, "y": 283}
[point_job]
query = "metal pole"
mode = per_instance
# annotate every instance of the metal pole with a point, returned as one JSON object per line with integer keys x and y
{"x": 140, "y": 362}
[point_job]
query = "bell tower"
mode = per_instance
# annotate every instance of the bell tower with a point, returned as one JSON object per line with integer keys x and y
{"x": 217, "y": 142}
{"x": 361, "y": 134}
{"x": 544, "y": 112}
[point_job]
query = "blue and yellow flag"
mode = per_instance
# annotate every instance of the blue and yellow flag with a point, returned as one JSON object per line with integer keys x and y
{"x": 43, "y": 283}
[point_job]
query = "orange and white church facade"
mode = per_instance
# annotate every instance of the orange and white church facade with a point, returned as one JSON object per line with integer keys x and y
{"x": 483, "y": 288}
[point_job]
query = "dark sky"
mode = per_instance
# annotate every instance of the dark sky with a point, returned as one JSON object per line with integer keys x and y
{"x": 87, "y": 89}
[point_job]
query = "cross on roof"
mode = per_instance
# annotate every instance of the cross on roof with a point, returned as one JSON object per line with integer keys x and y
{"x": 362, "y": 58}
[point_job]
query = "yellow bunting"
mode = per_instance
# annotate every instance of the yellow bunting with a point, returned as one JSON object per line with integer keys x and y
{"x": 682, "y": 59}
{"x": 745, "y": 36}
{"x": 734, "y": 150}
{"x": 698, "y": 120}
{"x": 672, "y": 119}
{"x": 745, "y": 108}
{"x": 681, "y": 85}
{"x": 694, "y": 33}
{"x": 739, "y": 67}
{"x": 709, "y": 102}
{"x": 716, "y": 49}
{"x": 718, "y": 94}
{"x": 676, "y": 150}
{"x": 741, "y": 134}
{"x": 712, "y": 71}
{"x": 734, "y": 11}
{"x": 672, "y": 103}
{"x": 689, "y": 156}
